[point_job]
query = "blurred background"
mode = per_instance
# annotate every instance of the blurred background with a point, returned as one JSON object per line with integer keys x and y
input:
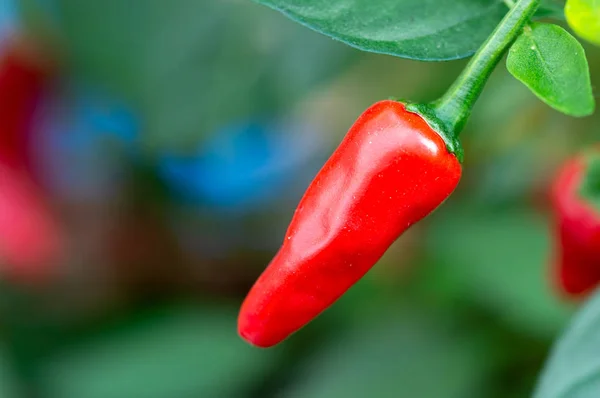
{"x": 151, "y": 156}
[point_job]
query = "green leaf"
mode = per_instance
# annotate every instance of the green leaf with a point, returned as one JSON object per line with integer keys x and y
{"x": 583, "y": 17}
{"x": 573, "y": 370}
{"x": 426, "y": 30}
{"x": 396, "y": 355}
{"x": 183, "y": 353}
{"x": 552, "y": 63}
{"x": 500, "y": 259}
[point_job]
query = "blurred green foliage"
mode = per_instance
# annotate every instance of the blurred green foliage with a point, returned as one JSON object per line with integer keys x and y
{"x": 175, "y": 352}
{"x": 500, "y": 260}
{"x": 407, "y": 352}
{"x": 572, "y": 370}
{"x": 183, "y": 76}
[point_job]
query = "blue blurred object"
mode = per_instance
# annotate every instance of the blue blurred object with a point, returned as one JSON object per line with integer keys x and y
{"x": 8, "y": 17}
{"x": 101, "y": 116}
{"x": 81, "y": 139}
{"x": 243, "y": 165}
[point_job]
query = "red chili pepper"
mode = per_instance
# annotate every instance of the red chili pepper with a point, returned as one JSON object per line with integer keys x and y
{"x": 30, "y": 240}
{"x": 24, "y": 73}
{"x": 391, "y": 170}
{"x": 576, "y": 204}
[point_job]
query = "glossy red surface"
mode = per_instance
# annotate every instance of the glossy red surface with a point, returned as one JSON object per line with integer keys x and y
{"x": 577, "y": 264}
{"x": 390, "y": 171}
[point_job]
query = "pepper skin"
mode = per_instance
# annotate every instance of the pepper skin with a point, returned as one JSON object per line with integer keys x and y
{"x": 390, "y": 171}
{"x": 577, "y": 265}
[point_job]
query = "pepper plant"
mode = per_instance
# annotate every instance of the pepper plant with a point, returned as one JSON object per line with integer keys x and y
{"x": 401, "y": 159}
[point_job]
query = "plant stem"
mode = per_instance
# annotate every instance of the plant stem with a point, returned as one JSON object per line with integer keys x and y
{"x": 454, "y": 108}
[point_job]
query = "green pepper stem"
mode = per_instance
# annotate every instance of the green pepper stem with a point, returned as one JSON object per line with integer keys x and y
{"x": 454, "y": 108}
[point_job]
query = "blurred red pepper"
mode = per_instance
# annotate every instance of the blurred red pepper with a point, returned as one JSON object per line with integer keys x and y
{"x": 29, "y": 236}
{"x": 30, "y": 242}
{"x": 391, "y": 170}
{"x": 24, "y": 73}
{"x": 576, "y": 203}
